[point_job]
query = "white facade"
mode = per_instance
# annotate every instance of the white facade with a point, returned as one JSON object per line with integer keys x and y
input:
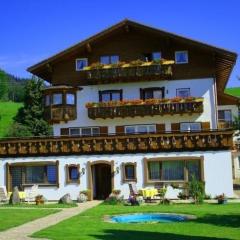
{"x": 217, "y": 171}
{"x": 198, "y": 88}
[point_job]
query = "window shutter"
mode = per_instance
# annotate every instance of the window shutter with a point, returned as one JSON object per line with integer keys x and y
{"x": 205, "y": 125}
{"x": 64, "y": 131}
{"x": 175, "y": 126}
{"x": 119, "y": 129}
{"x": 103, "y": 130}
{"x": 160, "y": 127}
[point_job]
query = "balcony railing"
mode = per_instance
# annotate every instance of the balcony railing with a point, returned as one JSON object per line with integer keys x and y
{"x": 157, "y": 71}
{"x": 145, "y": 109}
{"x": 151, "y": 142}
{"x": 56, "y": 114}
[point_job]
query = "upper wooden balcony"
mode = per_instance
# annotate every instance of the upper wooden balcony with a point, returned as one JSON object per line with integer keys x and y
{"x": 121, "y": 144}
{"x": 149, "y": 107}
{"x": 134, "y": 71}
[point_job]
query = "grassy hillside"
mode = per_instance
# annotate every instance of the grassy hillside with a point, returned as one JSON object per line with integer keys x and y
{"x": 233, "y": 91}
{"x": 7, "y": 112}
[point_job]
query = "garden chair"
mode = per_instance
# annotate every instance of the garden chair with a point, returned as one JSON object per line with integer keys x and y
{"x": 3, "y": 194}
{"x": 133, "y": 189}
{"x": 32, "y": 193}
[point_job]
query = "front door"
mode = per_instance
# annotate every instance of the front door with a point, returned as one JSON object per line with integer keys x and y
{"x": 102, "y": 181}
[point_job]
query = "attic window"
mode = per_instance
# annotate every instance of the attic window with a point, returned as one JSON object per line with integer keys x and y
{"x": 81, "y": 63}
{"x": 109, "y": 59}
{"x": 181, "y": 57}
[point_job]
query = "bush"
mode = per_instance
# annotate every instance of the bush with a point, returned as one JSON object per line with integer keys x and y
{"x": 182, "y": 196}
{"x": 114, "y": 200}
{"x": 196, "y": 190}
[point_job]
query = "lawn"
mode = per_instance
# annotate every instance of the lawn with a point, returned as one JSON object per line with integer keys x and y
{"x": 50, "y": 205}
{"x": 214, "y": 222}
{"x": 233, "y": 91}
{"x": 13, "y": 217}
{"x": 8, "y": 111}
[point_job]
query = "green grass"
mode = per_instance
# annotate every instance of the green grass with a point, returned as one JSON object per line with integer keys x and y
{"x": 11, "y": 217}
{"x": 233, "y": 91}
{"x": 50, "y": 205}
{"x": 214, "y": 222}
{"x": 8, "y": 111}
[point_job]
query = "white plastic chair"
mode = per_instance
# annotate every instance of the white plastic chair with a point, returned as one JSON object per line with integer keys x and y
{"x": 32, "y": 193}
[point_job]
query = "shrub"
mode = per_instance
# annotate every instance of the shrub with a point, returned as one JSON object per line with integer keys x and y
{"x": 182, "y": 196}
{"x": 196, "y": 190}
{"x": 114, "y": 200}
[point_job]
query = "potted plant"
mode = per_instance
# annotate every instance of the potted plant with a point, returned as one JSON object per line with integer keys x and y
{"x": 222, "y": 199}
{"x": 39, "y": 199}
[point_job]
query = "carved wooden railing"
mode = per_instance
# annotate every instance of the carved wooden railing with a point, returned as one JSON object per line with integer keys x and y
{"x": 135, "y": 72}
{"x": 190, "y": 107}
{"x": 55, "y": 114}
{"x": 154, "y": 142}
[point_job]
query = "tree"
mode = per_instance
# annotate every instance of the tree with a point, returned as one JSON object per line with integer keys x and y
{"x": 29, "y": 118}
{"x": 4, "y": 86}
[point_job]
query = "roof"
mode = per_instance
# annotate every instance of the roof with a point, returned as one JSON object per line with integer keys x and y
{"x": 225, "y": 59}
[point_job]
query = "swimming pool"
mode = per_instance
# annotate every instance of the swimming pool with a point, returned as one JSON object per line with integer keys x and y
{"x": 149, "y": 218}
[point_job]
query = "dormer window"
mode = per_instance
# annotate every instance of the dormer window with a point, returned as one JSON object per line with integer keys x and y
{"x": 81, "y": 63}
{"x": 109, "y": 59}
{"x": 181, "y": 57}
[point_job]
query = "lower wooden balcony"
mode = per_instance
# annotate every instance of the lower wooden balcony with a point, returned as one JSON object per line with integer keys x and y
{"x": 189, "y": 107}
{"x": 110, "y": 144}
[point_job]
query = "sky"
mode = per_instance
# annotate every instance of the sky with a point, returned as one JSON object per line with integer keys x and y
{"x": 32, "y": 30}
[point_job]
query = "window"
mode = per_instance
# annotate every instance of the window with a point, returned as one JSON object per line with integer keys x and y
{"x": 47, "y": 100}
{"x": 239, "y": 162}
{"x": 148, "y": 57}
{"x": 110, "y": 95}
{"x": 181, "y": 57}
{"x": 225, "y": 115}
{"x": 34, "y": 173}
{"x": 57, "y": 98}
{"x": 109, "y": 59}
{"x": 72, "y": 173}
{"x": 70, "y": 99}
{"x": 81, "y": 63}
{"x": 183, "y": 92}
{"x": 190, "y": 126}
{"x": 172, "y": 169}
{"x": 140, "y": 129}
{"x": 129, "y": 172}
{"x": 149, "y": 93}
{"x": 87, "y": 131}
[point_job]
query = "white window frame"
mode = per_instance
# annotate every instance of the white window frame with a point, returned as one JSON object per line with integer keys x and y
{"x": 77, "y": 59}
{"x": 80, "y": 131}
{"x": 184, "y": 51}
{"x": 139, "y": 125}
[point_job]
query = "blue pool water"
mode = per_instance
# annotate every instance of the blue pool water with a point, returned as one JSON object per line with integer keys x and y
{"x": 145, "y": 218}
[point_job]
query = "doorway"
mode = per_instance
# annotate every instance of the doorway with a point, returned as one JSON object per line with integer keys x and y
{"x": 101, "y": 180}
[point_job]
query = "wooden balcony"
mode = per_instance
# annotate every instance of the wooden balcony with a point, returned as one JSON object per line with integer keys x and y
{"x": 183, "y": 107}
{"x": 121, "y": 144}
{"x": 131, "y": 73}
{"x": 56, "y": 114}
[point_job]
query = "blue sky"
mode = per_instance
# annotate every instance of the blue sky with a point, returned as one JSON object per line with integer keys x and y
{"x": 31, "y": 30}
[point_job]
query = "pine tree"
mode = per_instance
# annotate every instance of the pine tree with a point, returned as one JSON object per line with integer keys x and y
{"x": 30, "y": 116}
{"x": 4, "y": 86}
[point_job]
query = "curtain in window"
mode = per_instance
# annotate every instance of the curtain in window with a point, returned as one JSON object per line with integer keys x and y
{"x": 73, "y": 173}
{"x": 193, "y": 169}
{"x": 154, "y": 170}
{"x": 52, "y": 174}
{"x": 129, "y": 171}
{"x": 173, "y": 170}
